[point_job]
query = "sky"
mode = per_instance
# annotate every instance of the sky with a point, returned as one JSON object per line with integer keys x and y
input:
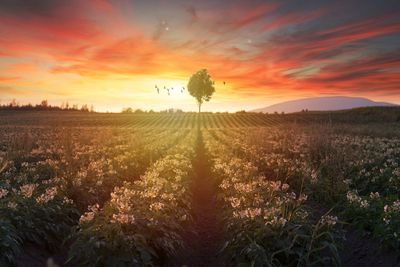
{"x": 112, "y": 53}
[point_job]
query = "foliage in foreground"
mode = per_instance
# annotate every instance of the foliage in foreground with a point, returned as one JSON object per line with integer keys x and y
{"x": 267, "y": 223}
{"x": 141, "y": 224}
{"x": 358, "y": 174}
{"x": 264, "y": 173}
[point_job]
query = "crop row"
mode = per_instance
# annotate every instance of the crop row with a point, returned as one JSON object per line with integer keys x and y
{"x": 357, "y": 174}
{"x": 49, "y": 177}
{"x": 139, "y": 121}
{"x": 142, "y": 222}
{"x": 266, "y": 221}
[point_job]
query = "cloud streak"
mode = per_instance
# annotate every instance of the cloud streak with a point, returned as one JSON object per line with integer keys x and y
{"x": 260, "y": 50}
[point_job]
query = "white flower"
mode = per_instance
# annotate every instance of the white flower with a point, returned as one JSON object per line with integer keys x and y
{"x": 364, "y": 204}
{"x": 123, "y": 218}
{"x": 3, "y": 192}
{"x": 329, "y": 220}
{"x": 353, "y": 197}
{"x": 314, "y": 177}
{"x": 386, "y": 220}
{"x": 275, "y": 221}
{"x": 156, "y": 206}
{"x": 396, "y": 205}
{"x": 285, "y": 187}
{"x": 89, "y": 215}
{"x": 347, "y": 181}
{"x": 12, "y": 205}
{"x": 27, "y": 190}
{"x": 47, "y": 196}
{"x": 67, "y": 201}
{"x": 374, "y": 195}
{"x": 386, "y": 208}
{"x": 235, "y": 202}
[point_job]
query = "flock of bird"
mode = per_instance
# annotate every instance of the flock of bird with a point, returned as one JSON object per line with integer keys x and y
{"x": 169, "y": 90}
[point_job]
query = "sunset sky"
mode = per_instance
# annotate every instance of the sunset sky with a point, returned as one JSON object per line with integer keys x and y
{"x": 112, "y": 53}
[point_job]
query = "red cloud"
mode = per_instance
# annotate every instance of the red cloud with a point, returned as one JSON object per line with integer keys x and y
{"x": 98, "y": 40}
{"x": 294, "y": 17}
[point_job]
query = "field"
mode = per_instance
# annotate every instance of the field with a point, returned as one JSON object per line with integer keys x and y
{"x": 215, "y": 189}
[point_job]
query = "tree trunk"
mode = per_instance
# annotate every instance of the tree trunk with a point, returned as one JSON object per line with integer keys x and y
{"x": 199, "y": 107}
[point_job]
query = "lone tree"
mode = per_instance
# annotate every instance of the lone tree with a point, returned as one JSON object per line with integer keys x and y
{"x": 201, "y": 86}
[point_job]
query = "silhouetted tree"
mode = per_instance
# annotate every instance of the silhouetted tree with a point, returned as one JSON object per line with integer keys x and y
{"x": 44, "y": 103}
{"x": 43, "y": 106}
{"x": 201, "y": 87}
{"x": 84, "y": 108}
{"x": 127, "y": 110}
{"x": 139, "y": 111}
{"x": 13, "y": 103}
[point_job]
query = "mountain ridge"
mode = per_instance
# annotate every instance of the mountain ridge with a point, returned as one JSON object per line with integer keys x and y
{"x": 327, "y": 103}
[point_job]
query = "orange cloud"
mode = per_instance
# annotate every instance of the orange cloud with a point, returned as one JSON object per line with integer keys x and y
{"x": 9, "y": 79}
{"x": 258, "y": 49}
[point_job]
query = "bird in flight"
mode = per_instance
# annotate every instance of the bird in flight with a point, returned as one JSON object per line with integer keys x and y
{"x": 169, "y": 90}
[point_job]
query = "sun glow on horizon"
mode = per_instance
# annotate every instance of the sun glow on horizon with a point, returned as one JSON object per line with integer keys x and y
{"x": 112, "y": 53}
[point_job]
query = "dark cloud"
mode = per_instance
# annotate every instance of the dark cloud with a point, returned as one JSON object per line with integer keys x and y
{"x": 30, "y": 7}
{"x": 191, "y": 10}
{"x": 347, "y": 76}
{"x": 374, "y": 63}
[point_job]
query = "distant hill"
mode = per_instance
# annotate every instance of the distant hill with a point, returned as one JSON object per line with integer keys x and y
{"x": 322, "y": 104}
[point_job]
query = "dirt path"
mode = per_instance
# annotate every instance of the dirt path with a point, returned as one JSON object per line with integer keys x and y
{"x": 360, "y": 250}
{"x": 37, "y": 256}
{"x": 363, "y": 251}
{"x": 204, "y": 238}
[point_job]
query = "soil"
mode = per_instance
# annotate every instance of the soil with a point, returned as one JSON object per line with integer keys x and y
{"x": 36, "y": 256}
{"x": 359, "y": 249}
{"x": 362, "y": 250}
{"x": 204, "y": 238}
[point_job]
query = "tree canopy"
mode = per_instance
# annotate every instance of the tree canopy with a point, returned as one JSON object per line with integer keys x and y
{"x": 201, "y": 86}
